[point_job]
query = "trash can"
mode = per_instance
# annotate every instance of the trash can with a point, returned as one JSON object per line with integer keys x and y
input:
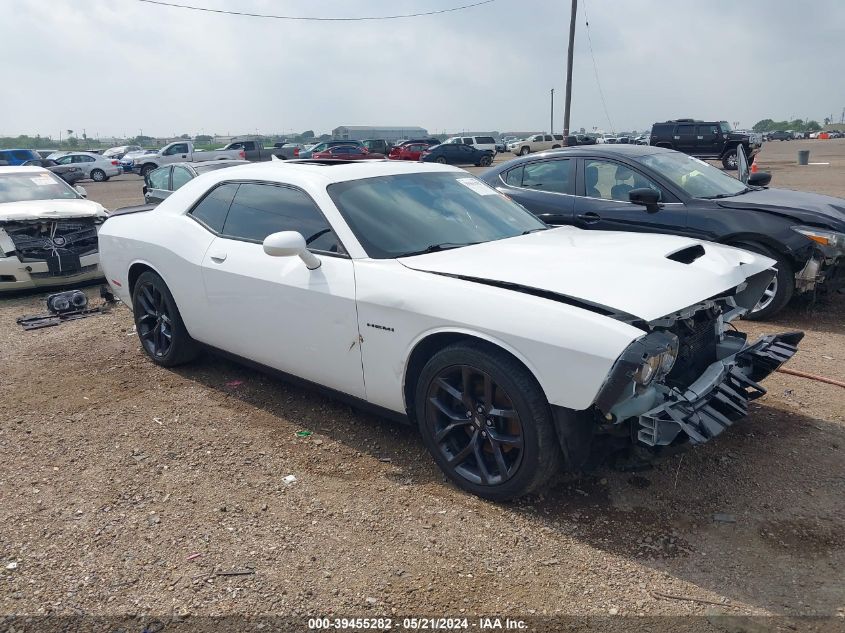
{"x": 803, "y": 156}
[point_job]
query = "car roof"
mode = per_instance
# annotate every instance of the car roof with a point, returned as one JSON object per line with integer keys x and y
{"x": 324, "y": 173}
{"x": 604, "y": 150}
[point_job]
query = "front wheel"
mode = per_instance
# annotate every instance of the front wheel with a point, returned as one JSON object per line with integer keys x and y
{"x": 729, "y": 160}
{"x": 159, "y": 325}
{"x": 486, "y": 422}
{"x": 440, "y": 160}
{"x": 779, "y": 292}
{"x": 146, "y": 169}
{"x": 524, "y": 151}
{"x": 486, "y": 161}
{"x": 98, "y": 175}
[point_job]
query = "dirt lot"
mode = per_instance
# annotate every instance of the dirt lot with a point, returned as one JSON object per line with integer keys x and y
{"x": 126, "y": 488}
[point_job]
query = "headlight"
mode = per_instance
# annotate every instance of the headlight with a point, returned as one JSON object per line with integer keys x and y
{"x": 831, "y": 239}
{"x": 659, "y": 365}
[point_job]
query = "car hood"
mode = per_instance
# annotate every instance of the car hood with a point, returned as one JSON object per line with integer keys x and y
{"x": 50, "y": 210}
{"x": 624, "y": 272}
{"x": 808, "y": 208}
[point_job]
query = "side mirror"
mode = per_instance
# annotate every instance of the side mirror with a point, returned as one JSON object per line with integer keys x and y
{"x": 145, "y": 189}
{"x": 759, "y": 179}
{"x": 288, "y": 244}
{"x": 81, "y": 191}
{"x": 647, "y": 197}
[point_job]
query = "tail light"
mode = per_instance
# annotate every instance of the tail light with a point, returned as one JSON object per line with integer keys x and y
{"x": 242, "y": 154}
{"x": 296, "y": 151}
{"x": 114, "y": 162}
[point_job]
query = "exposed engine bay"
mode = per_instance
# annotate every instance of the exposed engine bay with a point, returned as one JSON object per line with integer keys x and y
{"x": 59, "y": 243}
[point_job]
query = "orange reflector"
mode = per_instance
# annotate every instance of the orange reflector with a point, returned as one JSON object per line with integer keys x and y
{"x": 818, "y": 238}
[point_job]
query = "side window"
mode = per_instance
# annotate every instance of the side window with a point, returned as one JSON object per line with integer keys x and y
{"x": 514, "y": 177}
{"x": 707, "y": 130}
{"x": 249, "y": 146}
{"x": 259, "y": 210}
{"x": 467, "y": 140}
{"x": 548, "y": 137}
{"x": 179, "y": 148}
{"x": 612, "y": 181}
{"x": 64, "y": 160}
{"x": 684, "y": 130}
{"x": 159, "y": 178}
{"x": 212, "y": 209}
{"x": 180, "y": 177}
{"x": 549, "y": 175}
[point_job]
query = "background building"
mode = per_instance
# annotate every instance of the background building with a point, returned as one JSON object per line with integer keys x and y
{"x": 362, "y": 132}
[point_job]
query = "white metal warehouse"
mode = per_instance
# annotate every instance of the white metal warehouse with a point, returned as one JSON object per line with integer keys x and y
{"x": 363, "y": 132}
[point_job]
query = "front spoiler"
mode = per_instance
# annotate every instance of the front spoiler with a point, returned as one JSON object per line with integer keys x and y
{"x": 720, "y": 396}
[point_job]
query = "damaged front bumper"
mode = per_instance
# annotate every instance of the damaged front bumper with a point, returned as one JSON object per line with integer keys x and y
{"x": 720, "y": 396}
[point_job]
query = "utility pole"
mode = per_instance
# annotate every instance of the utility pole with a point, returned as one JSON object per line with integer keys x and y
{"x": 552, "y": 114}
{"x": 568, "y": 102}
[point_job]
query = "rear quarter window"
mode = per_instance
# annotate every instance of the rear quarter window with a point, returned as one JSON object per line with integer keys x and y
{"x": 212, "y": 209}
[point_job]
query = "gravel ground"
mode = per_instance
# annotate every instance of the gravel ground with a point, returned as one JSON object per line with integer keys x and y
{"x": 132, "y": 489}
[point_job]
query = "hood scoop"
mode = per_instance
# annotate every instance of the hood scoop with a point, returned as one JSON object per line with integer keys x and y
{"x": 687, "y": 255}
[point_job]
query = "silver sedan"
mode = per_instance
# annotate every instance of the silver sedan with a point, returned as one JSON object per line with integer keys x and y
{"x": 94, "y": 166}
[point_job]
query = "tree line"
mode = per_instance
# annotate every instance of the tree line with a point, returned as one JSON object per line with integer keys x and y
{"x": 796, "y": 125}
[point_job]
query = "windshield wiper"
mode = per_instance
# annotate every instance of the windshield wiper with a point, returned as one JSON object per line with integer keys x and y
{"x": 725, "y": 195}
{"x": 433, "y": 248}
{"x": 541, "y": 228}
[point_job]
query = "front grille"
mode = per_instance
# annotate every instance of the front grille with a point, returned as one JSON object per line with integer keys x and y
{"x": 697, "y": 341}
{"x": 60, "y": 243}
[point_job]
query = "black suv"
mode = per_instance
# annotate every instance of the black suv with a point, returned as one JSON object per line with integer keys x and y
{"x": 705, "y": 139}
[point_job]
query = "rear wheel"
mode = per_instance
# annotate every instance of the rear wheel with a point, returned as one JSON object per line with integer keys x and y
{"x": 98, "y": 175}
{"x": 486, "y": 422}
{"x": 729, "y": 160}
{"x": 779, "y": 292}
{"x": 160, "y": 328}
{"x": 486, "y": 161}
{"x": 440, "y": 160}
{"x": 524, "y": 151}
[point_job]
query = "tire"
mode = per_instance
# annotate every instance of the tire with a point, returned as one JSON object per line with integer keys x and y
{"x": 555, "y": 146}
{"x": 779, "y": 293}
{"x": 160, "y": 328}
{"x": 486, "y": 161}
{"x": 146, "y": 169}
{"x": 98, "y": 175}
{"x": 524, "y": 151}
{"x": 450, "y": 402}
{"x": 440, "y": 160}
{"x": 729, "y": 160}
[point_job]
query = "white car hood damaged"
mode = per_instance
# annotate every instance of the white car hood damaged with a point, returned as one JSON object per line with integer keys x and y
{"x": 50, "y": 210}
{"x": 626, "y": 272}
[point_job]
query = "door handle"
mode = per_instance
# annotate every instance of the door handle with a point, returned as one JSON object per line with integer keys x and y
{"x": 218, "y": 257}
{"x": 700, "y": 138}
{"x": 589, "y": 217}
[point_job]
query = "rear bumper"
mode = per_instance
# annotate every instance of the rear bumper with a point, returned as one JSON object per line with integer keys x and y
{"x": 720, "y": 396}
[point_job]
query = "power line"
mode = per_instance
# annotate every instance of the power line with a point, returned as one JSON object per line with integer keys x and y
{"x": 596, "y": 69}
{"x": 315, "y": 19}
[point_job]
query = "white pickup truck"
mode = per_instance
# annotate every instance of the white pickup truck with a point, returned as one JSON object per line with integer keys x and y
{"x": 181, "y": 152}
{"x": 536, "y": 143}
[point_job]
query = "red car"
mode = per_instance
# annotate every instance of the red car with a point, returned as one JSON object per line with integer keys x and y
{"x": 411, "y": 151}
{"x": 348, "y": 152}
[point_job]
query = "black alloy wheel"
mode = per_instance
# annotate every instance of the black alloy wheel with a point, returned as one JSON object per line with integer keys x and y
{"x": 486, "y": 421}
{"x": 155, "y": 326}
{"x": 475, "y": 425}
{"x": 159, "y": 325}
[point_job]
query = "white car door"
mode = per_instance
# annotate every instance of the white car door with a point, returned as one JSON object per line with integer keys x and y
{"x": 274, "y": 310}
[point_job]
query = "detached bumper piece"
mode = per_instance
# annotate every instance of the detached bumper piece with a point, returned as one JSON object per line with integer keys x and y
{"x": 720, "y": 396}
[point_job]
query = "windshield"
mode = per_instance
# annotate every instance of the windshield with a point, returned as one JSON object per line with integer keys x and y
{"x": 695, "y": 177}
{"x": 393, "y": 216}
{"x": 34, "y": 185}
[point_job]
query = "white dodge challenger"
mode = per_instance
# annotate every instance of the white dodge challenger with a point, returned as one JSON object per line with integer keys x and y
{"x": 421, "y": 291}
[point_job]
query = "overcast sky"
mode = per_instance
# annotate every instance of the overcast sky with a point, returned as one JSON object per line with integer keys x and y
{"x": 115, "y": 67}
